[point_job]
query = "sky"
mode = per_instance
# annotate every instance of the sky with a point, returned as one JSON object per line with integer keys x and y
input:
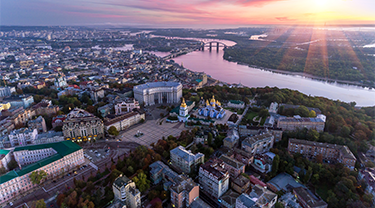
{"x": 185, "y": 13}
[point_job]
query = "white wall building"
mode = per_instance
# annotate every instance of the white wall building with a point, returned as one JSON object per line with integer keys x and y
{"x": 213, "y": 178}
{"x": 258, "y": 144}
{"x": 126, "y": 106}
{"x": 125, "y": 191}
{"x": 185, "y": 160}
{"x": 4, "y": 158}
{"x": 158, "y": 92}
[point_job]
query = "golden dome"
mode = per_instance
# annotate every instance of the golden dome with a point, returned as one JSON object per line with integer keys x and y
{"x": 213, "y": 99}
{"x": 183, "y": 104}
{"x": 218, "y": 103}
{"x": 207, "y": 103}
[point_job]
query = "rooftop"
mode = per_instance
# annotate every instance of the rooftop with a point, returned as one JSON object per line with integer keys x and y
{"x": 121, "y": 181}
{"x": 232, "y": 162}
{"x": 62, "y": 148}
{"x": 309, "y": 197}
{"x": 156, "y": 84}
{"x": 284, "y": 181}
{"x": 304, "y": 119}
{"x": 216, "y": 168}
{"x": 186, "y": 154}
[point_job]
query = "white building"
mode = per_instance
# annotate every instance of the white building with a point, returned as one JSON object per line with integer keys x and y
{"x": 125, "y": 191}
{"x": 126, "y": 106}
{"x": 158, "y": 92}
{"x": 258, "y": 197}
{"x": 7, "y": 91}
{"x": 67, "y": 157}
{"x": 213, "y": 178}
{"x": 60, "y": 82}
{"x": 124, "y": 121}
{"x": 185, "y": 160}
{"x": 22, "y": 137}
{"x": 38, "y": 124}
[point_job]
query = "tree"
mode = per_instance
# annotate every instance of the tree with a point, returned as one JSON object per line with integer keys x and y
{"x": 308, "y": 174}
{"x": 275, "y": 165}
{"x": 141, "y": 182}
{"x": 209, "y": 138}
{"x": 264, "y": 113}
{"x": 37, "y": 177}
{"x": 2, "y": 170}
{"x": 302, "y": 111}
{"x": 113, "y": 131}
{"x": 279, "y": 205}
{"x": 312, "y": 114}
{"x": 12, "y": 164}
{"x": 39, "y": 204}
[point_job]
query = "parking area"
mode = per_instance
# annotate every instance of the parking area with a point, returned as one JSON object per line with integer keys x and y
{"x": 97, "y": 154}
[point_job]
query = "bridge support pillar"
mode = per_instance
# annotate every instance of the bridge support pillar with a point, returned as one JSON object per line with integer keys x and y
{"x": 217, "y": 46}
{"x": 210, "y": 46}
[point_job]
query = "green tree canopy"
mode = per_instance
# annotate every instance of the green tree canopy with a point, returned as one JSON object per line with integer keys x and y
{"x": 141, "y": 182}
{"x": 37, "y": 177}
{"x": 113, "y": 131}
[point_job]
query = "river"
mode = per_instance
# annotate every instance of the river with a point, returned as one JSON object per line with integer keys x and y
{"x": 213, "y": 64}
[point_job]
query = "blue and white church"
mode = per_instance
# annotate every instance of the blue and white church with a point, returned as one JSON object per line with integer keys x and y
{"x": 212, "y": 109}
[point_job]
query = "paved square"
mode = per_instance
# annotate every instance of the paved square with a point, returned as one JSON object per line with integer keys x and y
{"x": 152, "y": 132}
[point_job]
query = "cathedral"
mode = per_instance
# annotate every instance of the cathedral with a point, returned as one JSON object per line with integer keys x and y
{"x": 212, "y": 109}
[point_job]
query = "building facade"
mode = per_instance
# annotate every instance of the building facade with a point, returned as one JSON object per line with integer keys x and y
{"x": 184, "y": 193}
{"x": 158, "y": 93}
{"x": 45, "y": 107}
{"x": 126, "y": 106}
{"x": 7, "y": 91}
{"x": 185, "y": 160}
{"x": 124, "y": 121}
{"x": 258, "y": 144}
{"x": 68, "y": 156}
{"x": 125, "y": 191}
{"x": 328, "y": 152}
{"x": 213, "y": 178}
{"x": 255, "y": 130}
{"x": 22, "y": 137}
{"x": 81, "y": 125}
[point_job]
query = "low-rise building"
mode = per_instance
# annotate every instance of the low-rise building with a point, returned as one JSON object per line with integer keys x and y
{"x": 236, "y": 104}
{"x": 258, "y": 144}
{"x": 185, "y": 160}
{"x": 67, "y": 157}
{"x": 22, "y": 137}
{"x": 58, "y": 120}
{"x": 283, "y": 182}
{"x": 213, "y": 178}
{"x": 20, "y": 101}
{"x": 263, "y": 163}
{"x": 126, "y": 106}
{"x": 232, "y": 139}
{"x": 126, "y": 192}
{"x": 7, "y": 91}
{"x": 45, "y": 107}
{"x": 39, "y": 124}
{"x": 123, "y": 121}
{"x": 95, "y": 94}
{"x": 240, "y": 184}
{"x": 307, "y": 199}
{"x": 328, "y": 152}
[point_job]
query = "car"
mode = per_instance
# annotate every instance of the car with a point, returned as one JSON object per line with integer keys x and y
{"x": 90, "y": 150}
{"x": 10, "y": 203}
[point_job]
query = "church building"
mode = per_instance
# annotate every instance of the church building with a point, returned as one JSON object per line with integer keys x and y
{"x": 212, "y": 109}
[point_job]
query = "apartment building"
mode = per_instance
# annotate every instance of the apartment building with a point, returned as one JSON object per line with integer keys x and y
{"x": 307, "y": 199}
{"x": 184, "y": 193}
{"x": 213, "y": 178}
{"x": 331, "y": 153}
{"x": 234, "y": 167}
{"x": 22, "y": 137}
{"x": 296, "y": 122}
{"x": 68, "y": 156}
{"x": 258, "y": 144}
{"x": 255, "y": 130}
{"x": 185, "y": 160}
{"x": 126, "y": 192}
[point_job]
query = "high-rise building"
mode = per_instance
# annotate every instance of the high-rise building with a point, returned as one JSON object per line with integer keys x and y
{"x": 213, "y": 178}
{"x": 185, "y": 160}
{"x": 125, "y": 191}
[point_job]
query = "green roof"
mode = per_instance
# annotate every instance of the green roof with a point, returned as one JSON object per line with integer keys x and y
{"x": 62, "y": 148}
{"x": 4, "y": 152}
{"x": 236, "y": 101}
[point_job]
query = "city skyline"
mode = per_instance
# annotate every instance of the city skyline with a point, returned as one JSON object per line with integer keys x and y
{"x": 196, "y": 13}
